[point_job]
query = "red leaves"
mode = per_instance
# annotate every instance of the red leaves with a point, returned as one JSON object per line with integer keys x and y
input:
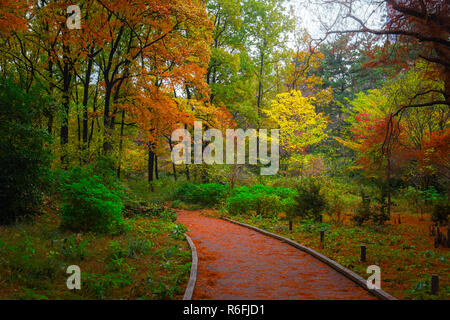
{"x": 434, "y": 155}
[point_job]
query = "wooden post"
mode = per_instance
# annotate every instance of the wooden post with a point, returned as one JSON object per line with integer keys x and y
{"x": 448, "y": 235}
{"x": 363, "y": 253}
{"x": 434, "y": 284}
{"x": 322, "y": 236}
{"x": 290, "y": 225}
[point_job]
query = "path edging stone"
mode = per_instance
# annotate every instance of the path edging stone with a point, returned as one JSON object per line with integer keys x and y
{"x": 336, "y": 266}
{"x": 193, "y": 275}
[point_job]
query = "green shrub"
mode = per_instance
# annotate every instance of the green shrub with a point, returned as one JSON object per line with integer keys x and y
{"x": 335, "y": 205}
{"x": 268, "y": 205}
{"x": 89, "y": 206}
{"x": 284, "y": 193}
{"x": 310, "y": 202}
{"x": 96, "y": 171}
{"x": 208, "y": 194}
{"x": 264, "y": 200}
{"x": 241, "y": 203}
{"x": 24, "y": 161}
{"x": 186, "y": 192}
{"x": 440, "y": 213}
{"x": 211, "y": 193}
{"x": 380, "y": 213}
{"x": 363, "y": 211}
{"x": 177, "y": 204}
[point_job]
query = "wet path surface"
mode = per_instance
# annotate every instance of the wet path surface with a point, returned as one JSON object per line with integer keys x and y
{"x": 239, "y": 263}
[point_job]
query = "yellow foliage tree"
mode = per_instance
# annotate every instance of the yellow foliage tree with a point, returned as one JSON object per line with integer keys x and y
{"x": 299, "y": 123}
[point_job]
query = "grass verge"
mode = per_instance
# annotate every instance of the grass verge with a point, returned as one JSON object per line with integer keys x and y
{"x": 151, "y": 261}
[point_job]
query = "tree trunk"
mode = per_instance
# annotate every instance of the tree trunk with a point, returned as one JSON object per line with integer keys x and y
{"x": 94, "y": 108}
{"x": 87, "y": 80}
{"x": 156, "y": 167}
{"x": 188, "y": 178}
{"x": 388, "y": 178}
{"x": 151, "y": 161}
{"x": 107, "y": 146}
{"x": 122, "y": 125}
{"x": 260, "y": 88}
{"x": 65, "y": 117}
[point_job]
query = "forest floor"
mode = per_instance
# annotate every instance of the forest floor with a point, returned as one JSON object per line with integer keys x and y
{"x": 150, "y": 261}
{"x": 239, "y": 263}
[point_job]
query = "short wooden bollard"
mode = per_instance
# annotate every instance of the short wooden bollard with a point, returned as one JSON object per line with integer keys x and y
{"x": 322, "y": 236}
{"x": 363, "y": 253}
{"x": 434, "y": 284}
{"x": 290, "y": 225}
{"x": 448, "y": 235}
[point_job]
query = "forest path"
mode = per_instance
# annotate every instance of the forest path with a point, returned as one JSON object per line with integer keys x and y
{"x": 239, "y": 263}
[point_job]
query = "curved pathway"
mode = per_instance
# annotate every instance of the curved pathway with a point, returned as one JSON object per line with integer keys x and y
{"x": 239, "y": 263}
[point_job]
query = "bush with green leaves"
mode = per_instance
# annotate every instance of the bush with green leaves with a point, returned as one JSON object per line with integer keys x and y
{"x": 363, "y": 211}
{"x": 268, "y": 205}
{"x": 89, "y": 206}
{"x": 241, "y": 203}
{"x": 100, "y": 170}
{"x": 208, "y": 194}
{"x": 441, "y": 211}
{"x": 366, "y": 212}
{"x": 24, "y": 160}
{"x": 335, "y": 205}
{"x": 264, "y": 200}
{"x": 310, "y": 201}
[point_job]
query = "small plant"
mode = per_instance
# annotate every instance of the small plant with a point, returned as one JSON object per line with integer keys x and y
{"x": 116, "y": 251}
{"x": 101, "y": 285}
{"x": 138, "y": 246}
{"x": 73, "y": 249}
{"x": 380, "y": 215}
{"x": 169, "y": 215}
{"x": 178, "y": 231}
{"x": 310, "y": 202}
{"x": 142, "y": 208}
{"x": 363, "y": 211}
